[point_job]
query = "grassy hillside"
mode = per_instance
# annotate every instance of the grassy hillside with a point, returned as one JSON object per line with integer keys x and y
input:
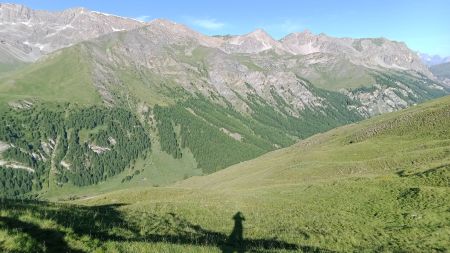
{"x": 7, "y": 68}
{"x": 381, "y": 185}
{"x": 64, "y": 77}
{"x": 410, "y": 140}
{"x": 441, "y": 70}
{"x": 341, "y": 74}
{"x": 8, "y": 61}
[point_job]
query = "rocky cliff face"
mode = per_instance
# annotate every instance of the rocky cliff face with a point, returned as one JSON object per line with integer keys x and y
{"x": 232, "y": 68}
{"x": 372, "y": 53}
{"x": 27, "y": 34}
{"x": 254, "y": 42}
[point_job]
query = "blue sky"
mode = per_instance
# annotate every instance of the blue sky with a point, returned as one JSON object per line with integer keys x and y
{"x": 423, "y": 25}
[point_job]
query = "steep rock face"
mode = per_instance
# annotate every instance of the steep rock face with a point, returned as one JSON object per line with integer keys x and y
{"x": 27, "y": 34}
{"x": 196, "y": 63}
{"x": 373, "y": 53}
{"x": 306, "y": 42}
{"x": 168, "y": 53}
{"x": 254, "y": 42}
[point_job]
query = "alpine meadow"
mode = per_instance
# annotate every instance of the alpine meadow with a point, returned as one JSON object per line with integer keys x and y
{"x": 125, "y": 134}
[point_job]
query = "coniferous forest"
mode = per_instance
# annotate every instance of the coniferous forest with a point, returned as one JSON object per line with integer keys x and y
{"x": 84, "y": 145}
{"x": 81, "y": 146}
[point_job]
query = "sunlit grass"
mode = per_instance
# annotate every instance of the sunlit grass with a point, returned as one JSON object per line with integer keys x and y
{"x": 367, "y": 187}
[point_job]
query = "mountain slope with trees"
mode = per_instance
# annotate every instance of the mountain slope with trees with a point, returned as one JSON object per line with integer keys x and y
{"x": 203, "y": 103}
{"x": 378, "y": 185}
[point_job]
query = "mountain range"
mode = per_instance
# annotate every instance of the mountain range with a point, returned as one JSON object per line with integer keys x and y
{"x": 431, "y": 60}
{"x": 257, "y": 59}
{"x": 190, "y": 99}
{"x": 27, "y": 34}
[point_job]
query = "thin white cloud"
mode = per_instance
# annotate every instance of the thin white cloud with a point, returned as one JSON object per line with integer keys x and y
{"x": 207, "y": 23}
{"x": 286, "y": 26}
{"x": 143, "y": 18}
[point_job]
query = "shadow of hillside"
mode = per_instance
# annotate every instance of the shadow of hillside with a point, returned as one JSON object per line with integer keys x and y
{"x": 107, "y": 223}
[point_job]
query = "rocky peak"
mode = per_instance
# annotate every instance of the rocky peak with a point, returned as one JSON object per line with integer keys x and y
{"x": 79, "y": 10}
{"x": 171, "y": 32}
{"x": 14, "y": 12}
{"x": 388, "y": 54}
{"x": 28, "y": 34}
{"x": 261, "y": 35}
{"x": 368, "y": 52}
{"x": 169, "y": 26}
{"x": 301, "y": 43}
{"x": 254, "y": 42}
{"x": 298, "y": 35}
{"x": 163, "y": 22}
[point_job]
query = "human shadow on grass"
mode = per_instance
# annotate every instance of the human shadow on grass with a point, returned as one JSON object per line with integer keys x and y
{"x": 107, "y": 223}
{"x": 237, "y": 243}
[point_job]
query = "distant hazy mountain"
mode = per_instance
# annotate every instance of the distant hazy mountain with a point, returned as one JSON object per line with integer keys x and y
{"x": 442, "y": 71}
{"x": 431, "y": 60}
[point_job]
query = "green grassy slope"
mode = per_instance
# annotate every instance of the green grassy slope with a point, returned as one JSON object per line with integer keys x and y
{"x": 64, "y": 77}
{"x": 413, "y": 139}
{"x": 341, "y": 75}
{"x": 441, "y": 70}
{"x": 7, "y": 68}
{"x": 9, "y": 62}
{"x": 378, "y": 186}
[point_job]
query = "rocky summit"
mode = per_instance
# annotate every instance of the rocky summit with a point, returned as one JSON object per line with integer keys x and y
{"x": 27, "y": 34}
